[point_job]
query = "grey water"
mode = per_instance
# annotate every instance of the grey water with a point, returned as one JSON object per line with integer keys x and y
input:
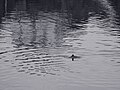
{"x": 59, "y": 45}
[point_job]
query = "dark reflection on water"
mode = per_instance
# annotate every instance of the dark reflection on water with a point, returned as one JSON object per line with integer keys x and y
{"x": 40, "y": 35}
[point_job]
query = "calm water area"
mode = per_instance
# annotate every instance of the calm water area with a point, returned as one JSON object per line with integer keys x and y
{"x": 37, "y": 38}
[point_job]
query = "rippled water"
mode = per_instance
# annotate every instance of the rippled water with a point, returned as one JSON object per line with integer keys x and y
{"x": 37, "y": 38}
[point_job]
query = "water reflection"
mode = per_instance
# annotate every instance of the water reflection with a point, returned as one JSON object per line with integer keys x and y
{"x": 37, "y": 37}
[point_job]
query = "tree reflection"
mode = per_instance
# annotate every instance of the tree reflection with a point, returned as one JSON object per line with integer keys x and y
{"x": 1, "y": 10}
{"x": 45, "y": 22}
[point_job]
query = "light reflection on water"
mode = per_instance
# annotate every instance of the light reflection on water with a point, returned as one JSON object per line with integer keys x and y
{"x": 38, "y": 40}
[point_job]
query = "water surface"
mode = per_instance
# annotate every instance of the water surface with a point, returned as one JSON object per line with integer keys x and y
{"x": 37, "y": 38}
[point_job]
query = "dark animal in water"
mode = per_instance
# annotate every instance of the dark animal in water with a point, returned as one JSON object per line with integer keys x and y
{"x": 73, "y": 57}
